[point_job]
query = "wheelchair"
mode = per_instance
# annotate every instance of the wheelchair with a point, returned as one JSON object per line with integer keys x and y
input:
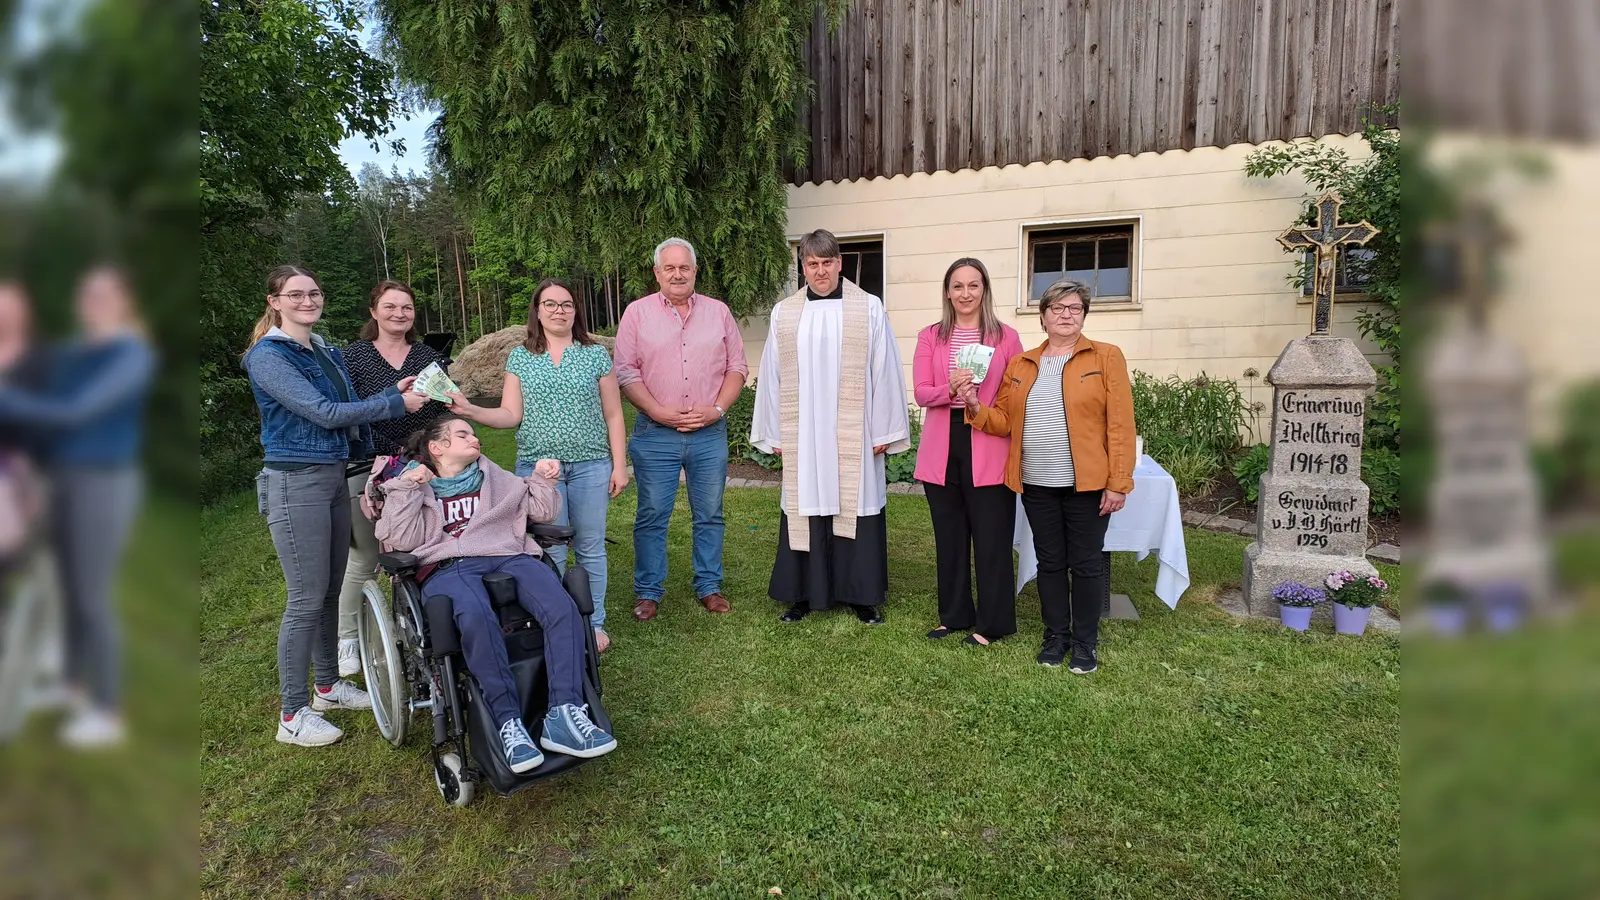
{"x": 412, "y": 662}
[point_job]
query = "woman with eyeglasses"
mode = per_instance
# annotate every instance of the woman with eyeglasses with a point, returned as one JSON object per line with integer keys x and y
{"x": 563, "y": 399}
{"x": 1067, "y": 406}
{"x": 387, "y": 350}
{"x": 312, "y": 423}
{"x": 963, "y": 470}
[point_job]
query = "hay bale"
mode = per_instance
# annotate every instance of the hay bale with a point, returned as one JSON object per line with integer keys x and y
{"x": 480, "y": 369}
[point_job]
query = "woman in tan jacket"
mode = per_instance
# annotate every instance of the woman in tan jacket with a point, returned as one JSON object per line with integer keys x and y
{"x": 1067, "y": 405}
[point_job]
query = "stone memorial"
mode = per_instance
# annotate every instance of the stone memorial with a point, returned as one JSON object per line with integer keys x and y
{"x": 1485, "y": 533}
{"x": 1311, "y": 518}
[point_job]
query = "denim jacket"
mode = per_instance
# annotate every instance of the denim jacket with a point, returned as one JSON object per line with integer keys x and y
{"x": 302, "y": 418}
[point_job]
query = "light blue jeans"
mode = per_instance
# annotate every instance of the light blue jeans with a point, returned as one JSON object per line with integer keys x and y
{"x": 585, "y": 489}
{"x": 659, "y": 454}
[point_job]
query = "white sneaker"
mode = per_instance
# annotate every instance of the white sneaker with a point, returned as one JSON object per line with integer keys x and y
{"x": 307, "y": 729}
{"x": 349, "y": 657}
{"x": 343, "y": 696}
{"x": 93, "y": 729}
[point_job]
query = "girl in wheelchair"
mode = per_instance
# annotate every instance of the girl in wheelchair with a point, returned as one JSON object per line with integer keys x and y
{"x": 465, "y": 517}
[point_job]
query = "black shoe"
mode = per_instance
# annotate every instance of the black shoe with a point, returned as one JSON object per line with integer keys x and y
{"x": 870, "y": 615}
{"x": 796, "y": 612}
{"x": 940, "y": 633}
{"x": 1083, "y": 661}
{"x": 1055, "y": 650}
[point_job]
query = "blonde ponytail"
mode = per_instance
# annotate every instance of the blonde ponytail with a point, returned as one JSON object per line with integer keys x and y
{"x": 268, "y": 321}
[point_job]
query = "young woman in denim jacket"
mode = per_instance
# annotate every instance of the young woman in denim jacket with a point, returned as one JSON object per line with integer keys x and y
{"x": 311, "y": 423}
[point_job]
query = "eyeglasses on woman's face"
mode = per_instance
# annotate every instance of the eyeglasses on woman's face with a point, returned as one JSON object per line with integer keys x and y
{"x": 557, "y": 306}
{"x": 1061, "y": 310}
{"x": 302, "y": 298}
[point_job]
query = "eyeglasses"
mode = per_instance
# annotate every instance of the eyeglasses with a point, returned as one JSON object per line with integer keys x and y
{"x": 553, "y": 306}
{"x": 1061, "y": 309}
{"x": 302, "y": 297}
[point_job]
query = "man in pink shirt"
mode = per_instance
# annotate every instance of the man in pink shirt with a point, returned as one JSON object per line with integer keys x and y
{"x": 680, "y": 361}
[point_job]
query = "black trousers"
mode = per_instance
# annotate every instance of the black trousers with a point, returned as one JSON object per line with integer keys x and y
{"x": 1069, "y": 534}
{"x": 835, "y": 569}
{"x": 972, "y": 528}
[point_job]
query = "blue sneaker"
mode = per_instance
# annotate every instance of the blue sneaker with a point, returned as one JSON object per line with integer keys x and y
{"x": 567, "y": 729}
{"x": 521, "y": 754}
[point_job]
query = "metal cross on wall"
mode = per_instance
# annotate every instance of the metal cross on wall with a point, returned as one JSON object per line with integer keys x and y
{"x": 1325, "y": 237}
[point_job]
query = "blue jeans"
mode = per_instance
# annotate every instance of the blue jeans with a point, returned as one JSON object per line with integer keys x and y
{"x": 484, "y": 646}
{"x": 585, "y": 489}
{"x": 659, "y": 454}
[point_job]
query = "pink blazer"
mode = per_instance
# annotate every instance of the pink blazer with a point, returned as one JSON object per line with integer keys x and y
{"x": 930, "y": 372}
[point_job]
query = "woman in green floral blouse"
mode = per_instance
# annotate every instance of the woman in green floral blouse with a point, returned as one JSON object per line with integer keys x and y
{"x": 562, "y": 398}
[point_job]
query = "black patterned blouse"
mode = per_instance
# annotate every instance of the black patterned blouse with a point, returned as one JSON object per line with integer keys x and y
{"x": 372, "y": 373}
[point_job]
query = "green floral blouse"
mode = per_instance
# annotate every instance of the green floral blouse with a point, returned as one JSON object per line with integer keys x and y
{"x": 561, "y": 413}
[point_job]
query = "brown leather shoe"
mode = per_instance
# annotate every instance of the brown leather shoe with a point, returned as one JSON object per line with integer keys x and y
{"x": 715, "y": 603}
{"x": 645, "y": 610}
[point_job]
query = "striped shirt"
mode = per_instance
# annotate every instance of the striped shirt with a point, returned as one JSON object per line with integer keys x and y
{"x": 1046, "y": 449}
{"x": 961, "y": 337}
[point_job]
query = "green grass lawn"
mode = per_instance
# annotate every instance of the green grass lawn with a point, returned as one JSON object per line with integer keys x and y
{"x": 120, "y": 823}
{"x": 1208, "y": 758}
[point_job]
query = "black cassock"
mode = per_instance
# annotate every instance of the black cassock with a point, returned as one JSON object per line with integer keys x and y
{"x": 837, "y": 570}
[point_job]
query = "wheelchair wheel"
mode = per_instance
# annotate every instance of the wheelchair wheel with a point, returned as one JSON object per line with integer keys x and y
{"x": 455, "y": 789}
{"x": 383, "y": 666}
{"x": 27, "y": 630}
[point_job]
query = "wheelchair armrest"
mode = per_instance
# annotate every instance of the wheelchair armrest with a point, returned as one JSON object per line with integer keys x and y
{"x": 545, "y": 534}
{"x": 398, "y": 563}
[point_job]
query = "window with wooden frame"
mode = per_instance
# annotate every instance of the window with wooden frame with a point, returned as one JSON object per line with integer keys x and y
{"x": 863, "y": 263}
{"x": 1099, "y": 255}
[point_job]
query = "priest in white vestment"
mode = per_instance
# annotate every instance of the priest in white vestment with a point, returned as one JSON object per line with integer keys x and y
{"x": 831, "y": 399}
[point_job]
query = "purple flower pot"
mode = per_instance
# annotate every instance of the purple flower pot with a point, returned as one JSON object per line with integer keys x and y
{"x": 1350, "y": 619}
{"x": 1296, "y": 617}
{"x": 1502, "y": 617}
{"x": 1448, "y": 618}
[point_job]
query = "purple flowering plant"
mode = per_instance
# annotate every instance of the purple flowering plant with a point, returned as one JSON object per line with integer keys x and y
{"x": 1353, "y": 591}
{"x": 1292, "y": 593}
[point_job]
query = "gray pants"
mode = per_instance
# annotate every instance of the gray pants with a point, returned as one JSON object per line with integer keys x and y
{"x": 363, "y": 564}
{"x": 308, "y": 512}
{"x": 94, "y": 512}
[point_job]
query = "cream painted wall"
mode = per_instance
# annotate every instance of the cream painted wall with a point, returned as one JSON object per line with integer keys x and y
{"x": 1545, "y": 304}
{"x": 1211, "y": 293}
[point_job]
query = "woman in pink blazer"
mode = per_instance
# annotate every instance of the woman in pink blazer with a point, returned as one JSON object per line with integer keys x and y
{"x": 962, "y": 469}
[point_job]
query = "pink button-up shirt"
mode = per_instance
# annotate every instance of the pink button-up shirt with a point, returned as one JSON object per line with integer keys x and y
{"x": 681, "y": 360}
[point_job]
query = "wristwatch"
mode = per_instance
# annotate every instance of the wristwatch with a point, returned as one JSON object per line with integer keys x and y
{"x": 721, "y": 413}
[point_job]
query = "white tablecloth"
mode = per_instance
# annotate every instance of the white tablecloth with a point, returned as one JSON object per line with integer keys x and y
{"x": 1151, "y": 520}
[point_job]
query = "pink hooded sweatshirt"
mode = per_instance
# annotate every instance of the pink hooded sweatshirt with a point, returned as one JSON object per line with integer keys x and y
{"x": 413, "y": 518}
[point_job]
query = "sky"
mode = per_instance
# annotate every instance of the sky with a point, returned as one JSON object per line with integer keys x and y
{"x": 413, "y": 129}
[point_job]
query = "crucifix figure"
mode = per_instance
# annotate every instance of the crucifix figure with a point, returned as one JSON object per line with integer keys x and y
{"x": 1326, "y": 237}
{"x": 1467, "y": 247}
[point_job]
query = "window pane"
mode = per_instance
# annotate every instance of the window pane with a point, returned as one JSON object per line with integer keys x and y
{"x": 1041, "y": 281}
{"x": 1353, "y": 273}
{"x": 871, "y": 272}
{"x": 852, "y": 267}
{"x": 1115, "y": 275}
{"x": 1047, "y": 257}
{"x": 1079, "y": 262}
{"x": 1113, "y": 253}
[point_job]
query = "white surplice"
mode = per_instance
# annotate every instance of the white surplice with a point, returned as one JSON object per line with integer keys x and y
{"x": 886, "y": 421}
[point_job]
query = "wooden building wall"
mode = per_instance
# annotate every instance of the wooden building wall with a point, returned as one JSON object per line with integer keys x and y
{"x": 908, "y": 86}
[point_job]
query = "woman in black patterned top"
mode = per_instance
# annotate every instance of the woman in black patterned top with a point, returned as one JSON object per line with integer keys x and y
{"x": 387, "y": 351}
